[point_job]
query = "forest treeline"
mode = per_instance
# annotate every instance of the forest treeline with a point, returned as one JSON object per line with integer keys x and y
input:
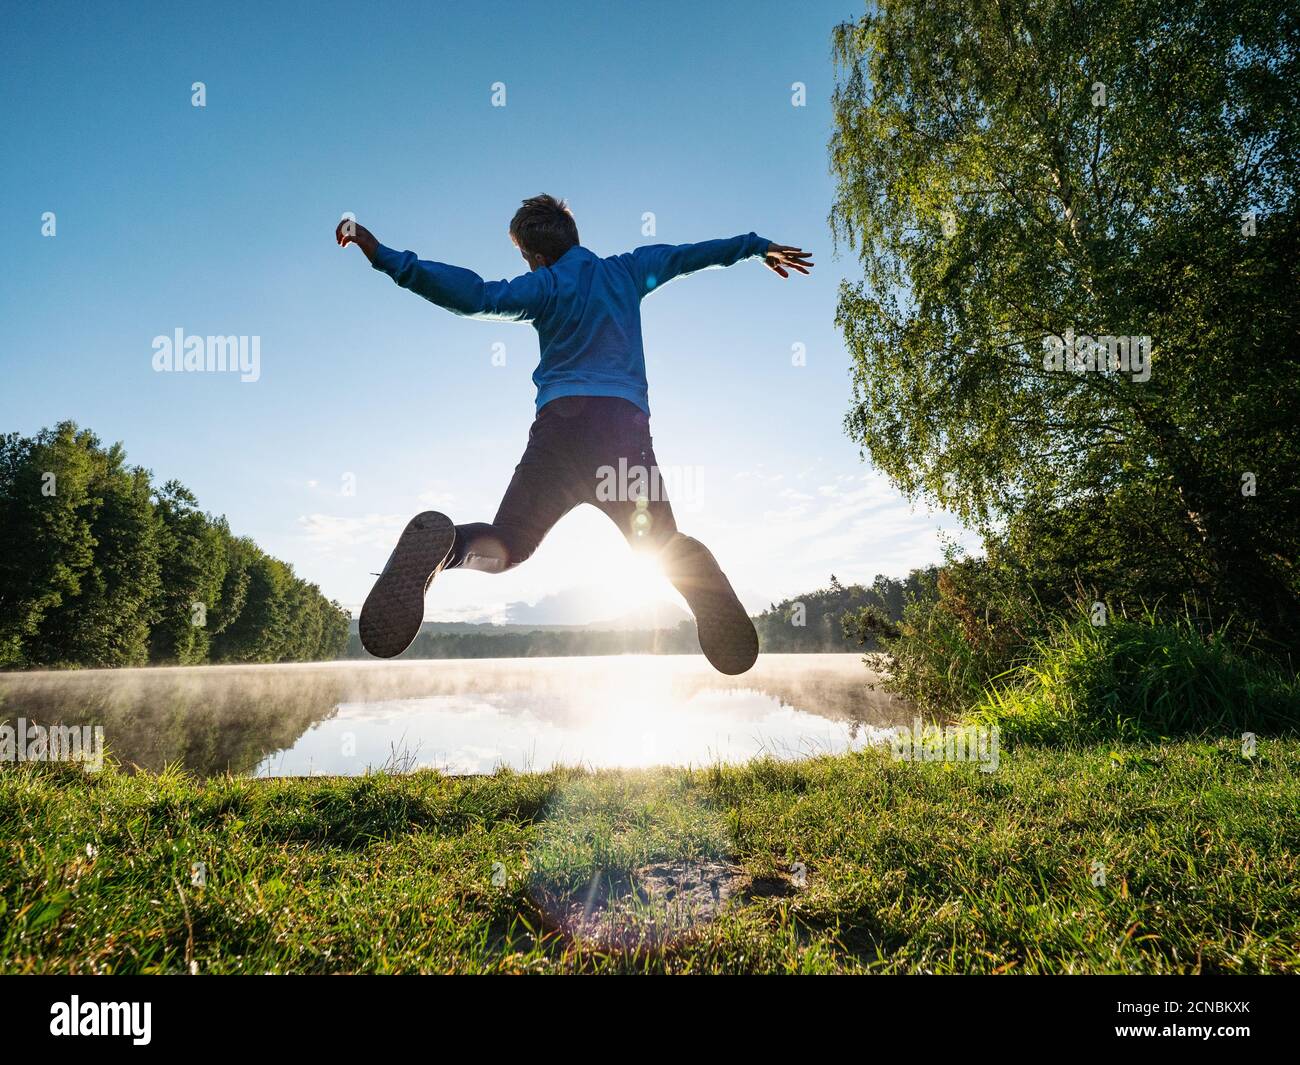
{"x": 544, "y": 643}
{"x": 102, "y": 568}
{"x": 822, "y": 620}
{"x": 819, "y": 621}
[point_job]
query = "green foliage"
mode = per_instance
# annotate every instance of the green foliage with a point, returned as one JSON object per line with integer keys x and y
{"x": 963, "y": 625}
{"x": 45, "y": 496}
{"x": 101, "y": 570}
{"x": 193, "y": 562}
{"x": 107, "y": 622}
{"x": 1139, "y": 679}
{"x": 997, "y": 200}
{"x": 815, "y": 621}
{"x": 977, "y": 640}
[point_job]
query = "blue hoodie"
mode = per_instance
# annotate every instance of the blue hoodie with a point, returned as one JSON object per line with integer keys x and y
{"x": 586, "y": 310}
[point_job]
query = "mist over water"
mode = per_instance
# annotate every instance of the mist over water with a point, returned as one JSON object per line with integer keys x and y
{"x": 464, "y": 716}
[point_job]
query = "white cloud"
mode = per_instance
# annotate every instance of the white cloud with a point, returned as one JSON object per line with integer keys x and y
{"x": 855, "y": 527}
{"x": 331, "y": 532}
{"x": 436, "y": 498}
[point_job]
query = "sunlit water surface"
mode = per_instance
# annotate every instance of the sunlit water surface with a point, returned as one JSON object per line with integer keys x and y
{"x": 466, "y": 716}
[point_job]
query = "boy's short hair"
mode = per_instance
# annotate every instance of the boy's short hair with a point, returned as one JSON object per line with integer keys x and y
{"x": 544, "y": 226}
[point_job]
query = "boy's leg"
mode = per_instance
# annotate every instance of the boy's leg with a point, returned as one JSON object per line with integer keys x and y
{"x": 725, "y": 631}
{"x": 540, "y": 493}
{"x": 394, "y": 609}
{"x": 641, "y": 509}
{"x": 538, "y": 496}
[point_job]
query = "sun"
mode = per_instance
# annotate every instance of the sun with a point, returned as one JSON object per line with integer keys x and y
{"x": 637, "y": 586}
{"x": 643, "y": 582}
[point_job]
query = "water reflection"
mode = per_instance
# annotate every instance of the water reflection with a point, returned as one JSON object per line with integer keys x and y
{"x": 463, "y": 716}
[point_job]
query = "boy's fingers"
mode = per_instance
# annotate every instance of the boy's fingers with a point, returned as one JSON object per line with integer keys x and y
{"x": 787, "y": 255}
{"x": 794, "y": 255}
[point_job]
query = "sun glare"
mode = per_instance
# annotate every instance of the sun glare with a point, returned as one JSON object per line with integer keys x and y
{"x": 645, "y": 579}
{"x": 637, "y": 586}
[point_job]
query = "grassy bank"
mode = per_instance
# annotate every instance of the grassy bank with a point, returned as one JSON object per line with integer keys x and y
{"x": 909, "y": 867}
{"x": 1138, "y": 680}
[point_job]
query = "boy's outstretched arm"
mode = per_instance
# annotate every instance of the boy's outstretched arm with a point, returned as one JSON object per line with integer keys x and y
{"x": 458, "y": 290}
{"x": 657, "y": 264}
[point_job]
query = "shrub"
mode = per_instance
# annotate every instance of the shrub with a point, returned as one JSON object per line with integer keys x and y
{"x": 1136, "y": 679}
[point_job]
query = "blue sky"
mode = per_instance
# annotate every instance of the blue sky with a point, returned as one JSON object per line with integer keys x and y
{"x": 219, "y": 221}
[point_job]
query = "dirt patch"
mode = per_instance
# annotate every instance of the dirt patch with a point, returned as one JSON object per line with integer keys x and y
{"x": 654, "y": 905}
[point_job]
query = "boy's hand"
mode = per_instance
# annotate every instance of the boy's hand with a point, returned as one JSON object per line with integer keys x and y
{"x": 780, "y": 257}
{"x": 350, "y": 231}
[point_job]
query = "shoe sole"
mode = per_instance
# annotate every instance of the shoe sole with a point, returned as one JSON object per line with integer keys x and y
{"x": 394, "y": 609}
{"x": 725, "y": 632}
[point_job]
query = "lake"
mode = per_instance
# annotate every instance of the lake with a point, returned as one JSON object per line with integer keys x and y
{"x": 464, "y": 716}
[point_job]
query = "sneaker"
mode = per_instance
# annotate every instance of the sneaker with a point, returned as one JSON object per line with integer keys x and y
{"x": 726, "y": 634}
{"x": 394, "y": 609}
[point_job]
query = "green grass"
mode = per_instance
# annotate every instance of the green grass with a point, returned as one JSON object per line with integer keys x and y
{"x": 1138, "y": 679}
{"x": 911, "y": 867}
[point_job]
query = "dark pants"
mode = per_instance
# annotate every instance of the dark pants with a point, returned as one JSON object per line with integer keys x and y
{"x": 581, "y": 449}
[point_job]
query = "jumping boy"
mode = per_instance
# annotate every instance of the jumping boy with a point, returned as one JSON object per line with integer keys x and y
{"x": 592, "y": 412}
